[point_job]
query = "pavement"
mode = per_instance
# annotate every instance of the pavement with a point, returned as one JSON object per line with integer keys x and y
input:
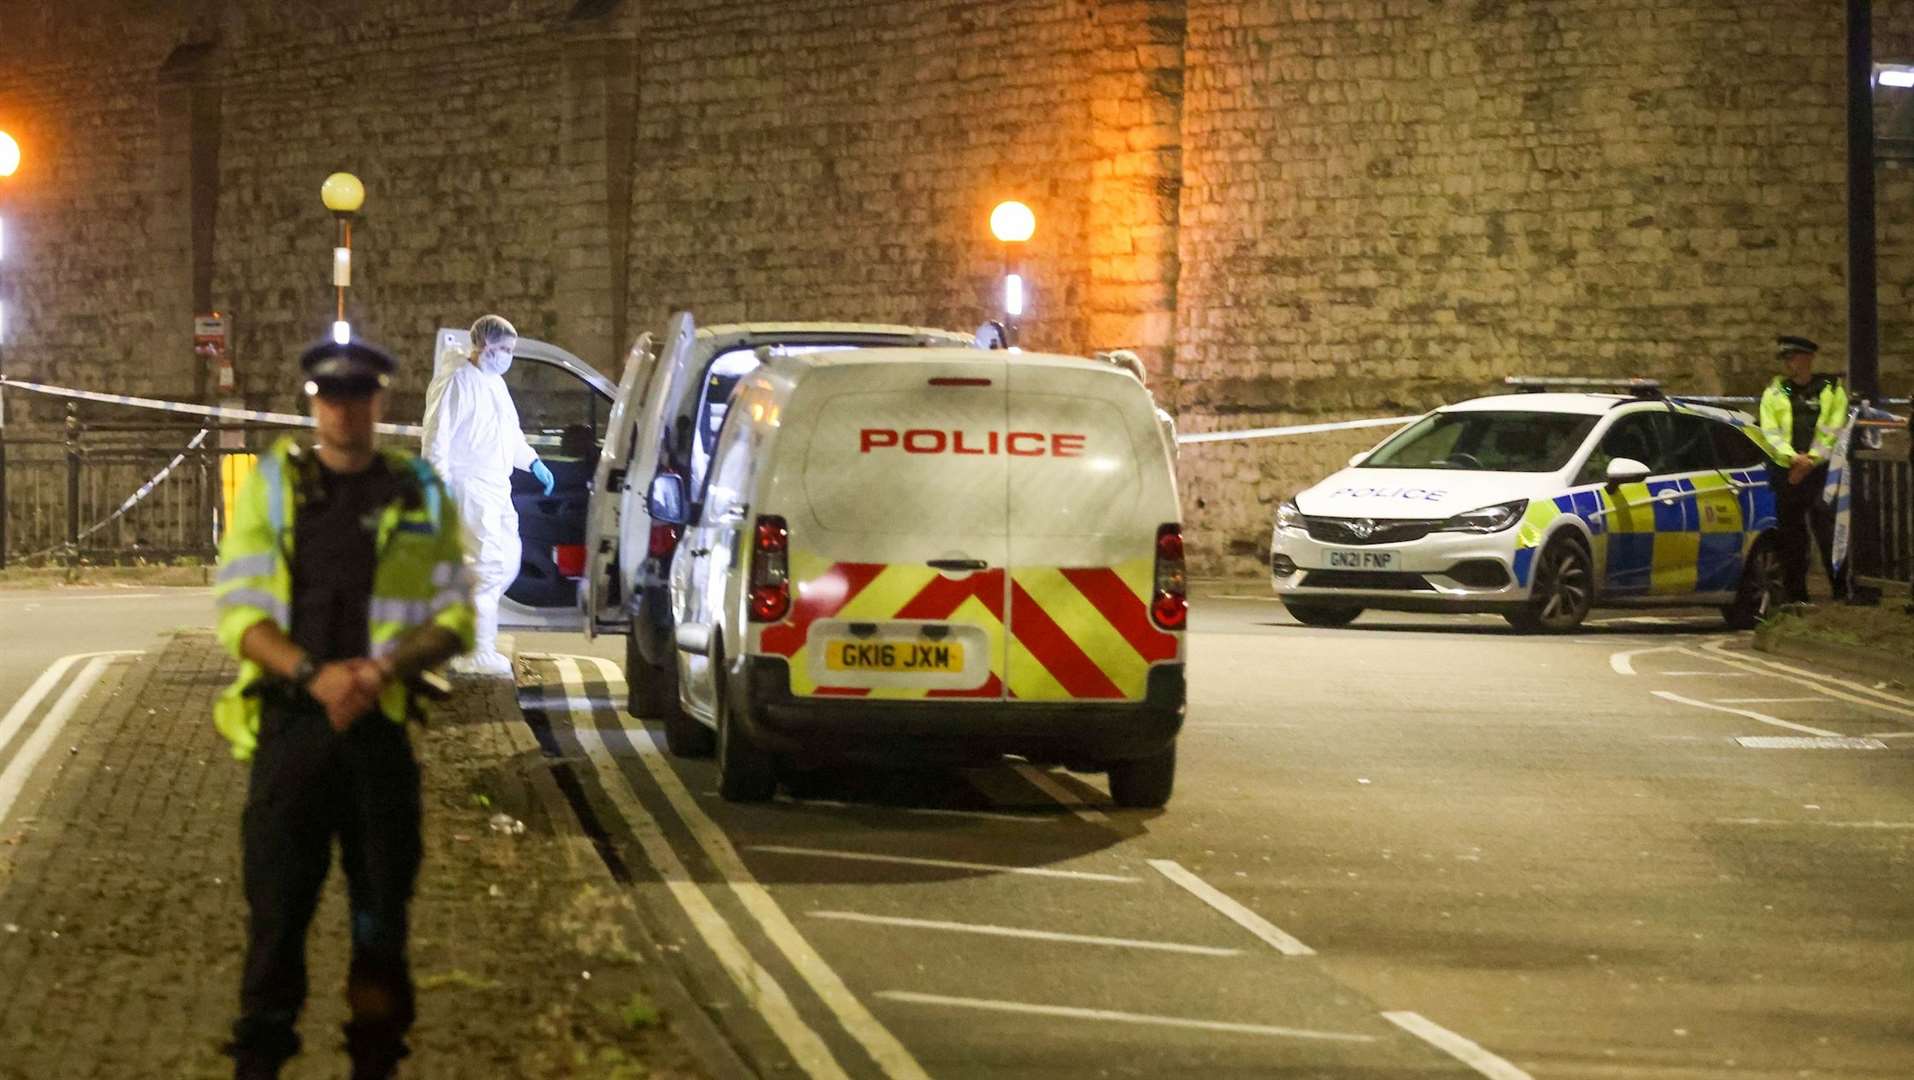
{"x": 122, "y": 922}
{"x": 1418, "y": 846}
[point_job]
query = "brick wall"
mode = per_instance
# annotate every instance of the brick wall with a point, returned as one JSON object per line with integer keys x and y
{"x": 1296, "y": 210}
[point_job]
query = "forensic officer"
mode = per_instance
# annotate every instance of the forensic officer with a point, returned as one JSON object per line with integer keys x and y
{"x": 1802, "y": 414}
{"x": 341, "y": 578}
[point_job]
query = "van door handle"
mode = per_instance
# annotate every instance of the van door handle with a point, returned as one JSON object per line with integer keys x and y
{"x": 957, "y": 564}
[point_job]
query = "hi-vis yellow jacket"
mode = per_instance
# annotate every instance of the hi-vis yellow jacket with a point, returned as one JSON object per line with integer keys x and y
{"x": 1777, "y": 420}
{"x": 420, "y": 578}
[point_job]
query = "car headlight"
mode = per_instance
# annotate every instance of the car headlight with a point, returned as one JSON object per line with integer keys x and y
{"x": 1489, "y": 519}
{"x": 1288, "y": 516}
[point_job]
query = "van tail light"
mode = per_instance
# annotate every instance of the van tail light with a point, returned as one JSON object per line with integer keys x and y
{"x": 663, "y": 540}
{"x": 770, "y": 596}
{"x": 570, "y": 559}
{"x": 1170, "y": 608}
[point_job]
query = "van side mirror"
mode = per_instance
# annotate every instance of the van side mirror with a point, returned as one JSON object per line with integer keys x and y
{"x": 1625, "y": 470}
{"x": 665, "y": 502}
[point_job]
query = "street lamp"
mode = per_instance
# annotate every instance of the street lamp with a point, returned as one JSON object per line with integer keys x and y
{"x": 9, "y": 164}
{"x": 1012, "y": 224}
{"x": 343, "y": 194}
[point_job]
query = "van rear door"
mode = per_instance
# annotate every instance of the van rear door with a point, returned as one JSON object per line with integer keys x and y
{"x": 1089, "y": 486}
{"x": 898, "y": 533}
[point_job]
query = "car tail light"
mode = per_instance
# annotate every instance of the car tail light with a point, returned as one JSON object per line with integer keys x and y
{"x": 663, "y": 540}
{"x": 1171, "y": 606}
{"x": 770, "y": 596}
{"x": 570, "y": 559}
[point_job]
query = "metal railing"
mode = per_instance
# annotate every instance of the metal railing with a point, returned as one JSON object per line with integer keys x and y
{"x": 113, "y": 494}
{"x": 1881, "y": 545}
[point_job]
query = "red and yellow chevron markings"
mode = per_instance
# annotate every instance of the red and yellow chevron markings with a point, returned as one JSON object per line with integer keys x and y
{"x": 1076, "y": 633}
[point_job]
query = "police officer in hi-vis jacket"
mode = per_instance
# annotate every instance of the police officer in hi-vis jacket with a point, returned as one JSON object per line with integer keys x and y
{"x": 1802, "y": 415}
{"x": 341, "y": 578}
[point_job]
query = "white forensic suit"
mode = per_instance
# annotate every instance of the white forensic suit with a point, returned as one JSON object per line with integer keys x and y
{"x": 472, "y": 439}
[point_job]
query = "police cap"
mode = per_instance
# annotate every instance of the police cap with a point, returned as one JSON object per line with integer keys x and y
{"x": 351, "y": 369}
{"x": 1787, "y": 344}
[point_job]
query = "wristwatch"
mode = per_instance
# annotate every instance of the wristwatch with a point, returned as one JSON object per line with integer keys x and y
{"x": 303, "y": 671}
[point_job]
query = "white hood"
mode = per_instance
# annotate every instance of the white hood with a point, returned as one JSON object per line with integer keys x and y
{"x": 1420, "y": 493}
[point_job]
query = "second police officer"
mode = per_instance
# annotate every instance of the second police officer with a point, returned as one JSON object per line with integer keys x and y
{"x": 1802, "y": 414}
{"x": 340, "y": 579}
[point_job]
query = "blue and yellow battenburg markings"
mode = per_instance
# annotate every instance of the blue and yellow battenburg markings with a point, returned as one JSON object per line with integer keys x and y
{"x": 1693, "y": 543}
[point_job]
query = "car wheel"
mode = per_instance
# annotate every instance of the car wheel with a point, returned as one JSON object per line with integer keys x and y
{"x": 1313, "y": 613}
{"x": 1564, "y": 589}
{"x": 746, "y": 772}
{"x": 1762, "y": 591}
{"x": 1144, "y": 783}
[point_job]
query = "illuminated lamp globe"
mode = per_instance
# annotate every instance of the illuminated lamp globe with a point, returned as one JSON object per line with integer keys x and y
{"x": 9, "y": 154}
{"x": 343, "y": 193}
{"x": 1012, "y": 222}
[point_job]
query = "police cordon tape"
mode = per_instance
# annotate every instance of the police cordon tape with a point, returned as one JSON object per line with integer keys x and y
{"x": 214, "y": 412}
{"x": 217, "y": 412}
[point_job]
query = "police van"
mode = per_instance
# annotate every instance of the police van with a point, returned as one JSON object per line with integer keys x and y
{"x": 931, "y": 554}
{"x": 1539, "y": 506}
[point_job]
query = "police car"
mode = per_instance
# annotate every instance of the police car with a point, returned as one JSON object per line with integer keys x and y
{"x": 1539, "y": 506}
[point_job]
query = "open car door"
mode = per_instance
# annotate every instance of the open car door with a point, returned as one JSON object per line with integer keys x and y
{"x": 603, "y": 593}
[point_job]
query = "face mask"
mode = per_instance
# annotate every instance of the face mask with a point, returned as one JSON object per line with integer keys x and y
{"x": 493, "y": 360}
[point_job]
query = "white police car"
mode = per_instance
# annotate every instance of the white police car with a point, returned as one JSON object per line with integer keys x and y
{"x": 1537, "y": 507}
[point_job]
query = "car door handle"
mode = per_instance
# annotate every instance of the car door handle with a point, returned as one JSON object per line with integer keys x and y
{"x": 957, "y": 564}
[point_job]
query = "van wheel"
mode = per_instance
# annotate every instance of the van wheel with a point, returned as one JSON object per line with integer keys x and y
{"x": 1762, "y": 591}
{"x": 1563, "y": 592}
{"x": 1311, "y": 613}
{"x": 1144, "y": 783}
{"x": 746, "y": 772}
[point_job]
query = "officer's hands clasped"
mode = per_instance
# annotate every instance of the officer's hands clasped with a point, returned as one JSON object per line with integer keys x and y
{"x": 348, "y": 689}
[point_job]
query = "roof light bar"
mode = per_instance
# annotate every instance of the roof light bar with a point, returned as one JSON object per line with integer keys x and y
{"x": 1531, "y": 384}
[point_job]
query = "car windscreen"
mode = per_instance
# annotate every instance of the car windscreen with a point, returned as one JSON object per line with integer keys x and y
{"x": 1472, "y": 441}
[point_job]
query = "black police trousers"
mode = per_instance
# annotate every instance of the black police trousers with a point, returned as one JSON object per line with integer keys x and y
{"x": 310, "y": 785}
{"x": 1801, "y": 512}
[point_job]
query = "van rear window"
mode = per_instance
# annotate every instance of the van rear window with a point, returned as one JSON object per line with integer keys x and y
{"x": 909, "y": 463}
{"x": 1088, "y": 483}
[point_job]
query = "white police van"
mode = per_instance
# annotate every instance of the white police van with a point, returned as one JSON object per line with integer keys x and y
{"x": 1538, "y": 507}
{"x": 931, "y": 554}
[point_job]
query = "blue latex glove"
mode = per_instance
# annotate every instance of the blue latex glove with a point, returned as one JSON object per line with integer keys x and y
{"x": 543, "y": 474}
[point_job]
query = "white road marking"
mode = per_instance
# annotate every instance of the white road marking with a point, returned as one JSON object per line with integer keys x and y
{"x": 1043, "y": 782}
{"x": 1810, "y": 742}
{"x": 876, "y": 1039}
{"x": 1888, "y": 825}
{"x": 941, "y": 864}
{"x": 35, "y": 746}
{"x": 1016, "y": 932}
{"x": 928, "y": 811}
{"x": 1769, "y": 700}
{"x": 1749, "y": 713}
{"x": 1891, "y": 734}
{"x": 1236, "y": 912}
{"x": 1622, "y": 663}
{"x": 758, "y": 986}
{"x": 29, "y": 701}
{"x": 1710, "y": 674}
{"x": 1071, "y": 1012}
{"x": 1467, "y": 1051}
{"x": 1898, "y": 706}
